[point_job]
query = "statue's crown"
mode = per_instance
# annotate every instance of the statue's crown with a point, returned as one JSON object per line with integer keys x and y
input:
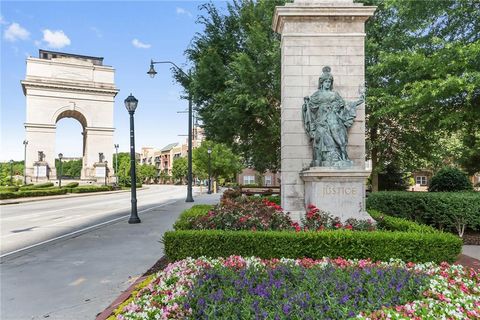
{"x": 326, "y": 69}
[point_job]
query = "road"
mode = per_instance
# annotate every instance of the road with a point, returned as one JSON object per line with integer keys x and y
{"x": 78, "y": 276}
{"x": 27, "y": 224}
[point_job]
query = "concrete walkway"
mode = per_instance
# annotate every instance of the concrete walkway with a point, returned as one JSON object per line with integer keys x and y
{"x": 472, "y": 251}
{"x": 78, "y": 278}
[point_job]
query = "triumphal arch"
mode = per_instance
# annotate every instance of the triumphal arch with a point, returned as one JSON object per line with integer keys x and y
{"x": 61, "y": 85}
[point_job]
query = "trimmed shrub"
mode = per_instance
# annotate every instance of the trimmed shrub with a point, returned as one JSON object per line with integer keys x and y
{"x": 32, "y": 193}
{"x": 8, "y": 188}
{"x": 450, "y": 179}
{"x": 379, "y": 245}
{"x": 37, "y": 186}
{"x": 85, "y": 189}
{"x": 8, "y": 195}
{"x": 385, "y": 222}
{"x": 71, "y": 185}
{"x": 184, "y": 222}
{"x": 452, "y": 211}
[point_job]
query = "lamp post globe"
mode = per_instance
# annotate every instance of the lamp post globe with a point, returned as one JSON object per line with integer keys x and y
{"x": 60, "y": 157}
{"x": 131, "y": 105}
{"x": 209, "y": 151}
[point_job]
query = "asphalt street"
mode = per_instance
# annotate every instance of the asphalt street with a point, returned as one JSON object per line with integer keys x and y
{"x": 78, "y": 276}
{"x": 27, "y": 224}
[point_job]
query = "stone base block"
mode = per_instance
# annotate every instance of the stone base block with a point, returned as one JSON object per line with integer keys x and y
{"x": 339, "y": 192}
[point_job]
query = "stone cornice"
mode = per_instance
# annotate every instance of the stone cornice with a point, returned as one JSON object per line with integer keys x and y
{"x": 293, "y": 11}
{"x": 106, "y": 129}
{"x": 27, "y": 84}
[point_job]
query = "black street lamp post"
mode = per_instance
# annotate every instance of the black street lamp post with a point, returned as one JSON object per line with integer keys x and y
{"x": 131, "y": 104}
{"x": 60, "y": 157}
{"x": 152, "y": 74}
{"x": 106, "y": 171}
{"x": 25, "y": 143}
{"x": 11, "y": 172}
{"x": 209, "y": 171}
{"x": 116, "y": 163}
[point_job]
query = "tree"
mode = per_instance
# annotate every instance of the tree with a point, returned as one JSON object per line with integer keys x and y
{"x": 146, "y": 172}
{"x": 450, "y": 179}
{"x": 123, "y": 173}
{"x": 224, "y": 163}
{"x": 180, "y": 169}
{"x": 5, "y": 171}
{"x": 423, "y": 82}
{"x": 236, "y": 80}
{"x": 72, "y": 168}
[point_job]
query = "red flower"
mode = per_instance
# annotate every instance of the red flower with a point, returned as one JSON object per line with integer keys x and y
{"x": 349, "y": 227}
{"x": 338, "y": 225}
{"x": 311, "y": 206}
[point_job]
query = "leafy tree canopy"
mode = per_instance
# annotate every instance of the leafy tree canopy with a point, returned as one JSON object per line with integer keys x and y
{"x": 423, "y": 77}
{"x": 236, "y": 80}
{"x": 223, "y": 162}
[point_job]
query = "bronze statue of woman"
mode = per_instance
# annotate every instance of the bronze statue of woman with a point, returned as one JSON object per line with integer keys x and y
{"x": 327, "y": 116}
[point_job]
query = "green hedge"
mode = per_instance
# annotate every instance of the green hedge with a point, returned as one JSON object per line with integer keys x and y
{"x": 85, "y": 189}
{"x": 184, "y": 221}
{"x": 379, "y": 245}
{"x": 37, "y": 186}
{"x": 71, "y": 185}
{"x": 8, "y": 188}
{"x": 385, "y": 222}
{"x": 444, "y": 210}
{"x": 32, "y": 193}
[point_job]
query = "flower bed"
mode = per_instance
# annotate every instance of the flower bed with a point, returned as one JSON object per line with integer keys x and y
{"x": 251, "y": 288}
{"x": 257, "y": 214}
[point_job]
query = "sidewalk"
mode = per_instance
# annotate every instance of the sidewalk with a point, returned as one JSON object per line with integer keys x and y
{"x": 82, "y": 276}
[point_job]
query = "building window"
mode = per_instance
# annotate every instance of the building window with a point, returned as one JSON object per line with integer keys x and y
{"x": 421, "y": 180}
{"x": 268, "y": 180}
{"x": 248, "y": 179}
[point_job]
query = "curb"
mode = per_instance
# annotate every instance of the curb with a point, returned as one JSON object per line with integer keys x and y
{"x": 63, "y": 196}
{"x": 468, "y": 261}
{"x": 105, "y": 314}
{"x": 120, "y": 299}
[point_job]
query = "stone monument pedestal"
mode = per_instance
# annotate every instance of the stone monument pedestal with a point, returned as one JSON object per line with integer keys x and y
{"x": 101, "y": 171}
{"x": 339, "y": 192}
{"x": 40, "y": 171}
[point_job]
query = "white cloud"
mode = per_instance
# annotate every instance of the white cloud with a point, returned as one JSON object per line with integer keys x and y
{"x": 183, "y": 11}
{"x": 55, "y": 39}
{"x": 138, "y": 44}
{"x": 15, "y": 32}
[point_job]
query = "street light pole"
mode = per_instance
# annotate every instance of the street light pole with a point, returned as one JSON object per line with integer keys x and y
{"x": 60, "y": 157}
{"x": 116, "y": 163}
{"x": 152, "y": 74}
{"x": 131, "y": 104}
{"x": 11, "y": 172}
{"x": 209, "y": 171}
{"x": 106, "y": 171}
{"x": 25, "y": 143}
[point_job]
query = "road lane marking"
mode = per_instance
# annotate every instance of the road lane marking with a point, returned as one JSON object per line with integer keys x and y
{"x": 33, "y": 215}
{"x": 80, "y": 231}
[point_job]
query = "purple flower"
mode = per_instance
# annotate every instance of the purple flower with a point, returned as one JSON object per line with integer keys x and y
{"x": 286, "y": 308}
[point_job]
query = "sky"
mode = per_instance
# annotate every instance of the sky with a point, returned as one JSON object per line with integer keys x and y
{"x": 127, "y": 34}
